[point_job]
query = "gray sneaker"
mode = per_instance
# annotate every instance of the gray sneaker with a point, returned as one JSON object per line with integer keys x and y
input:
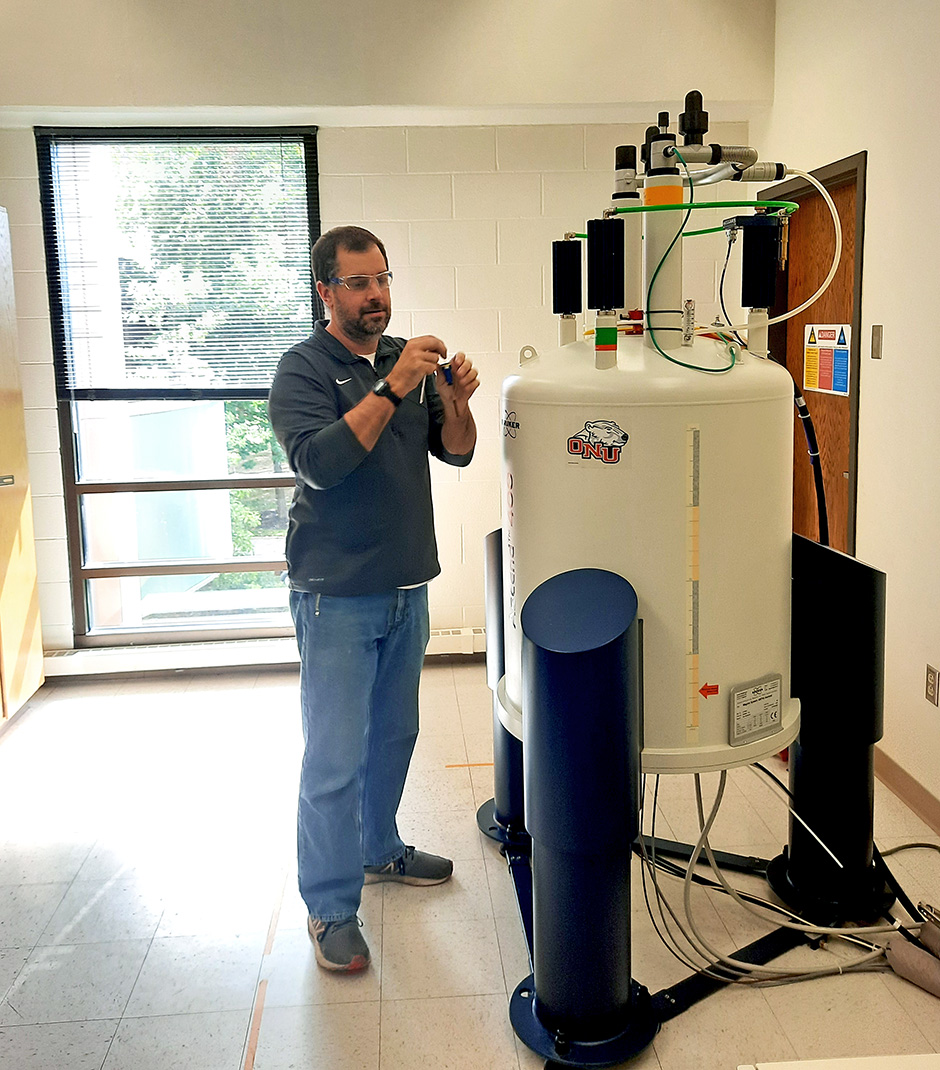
{"x": 339, "y": 945}
{"x": 413, "y": 867}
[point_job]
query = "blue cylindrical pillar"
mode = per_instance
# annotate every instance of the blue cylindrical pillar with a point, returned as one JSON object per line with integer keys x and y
{"x": 582, "y": 697}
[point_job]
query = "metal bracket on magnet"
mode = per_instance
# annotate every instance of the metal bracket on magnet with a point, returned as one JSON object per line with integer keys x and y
{"x": 527, "y": 353}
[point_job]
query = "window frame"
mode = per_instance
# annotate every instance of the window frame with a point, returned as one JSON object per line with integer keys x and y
{"x": 74, "y": 487}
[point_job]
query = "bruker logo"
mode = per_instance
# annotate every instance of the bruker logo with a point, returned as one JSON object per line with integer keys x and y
{"x": 601, "y": 440}
{"x": 510, "y": 425}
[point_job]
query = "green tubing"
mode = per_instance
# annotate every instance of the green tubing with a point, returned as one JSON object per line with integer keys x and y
{"x": 789, "y": 207}
{"x": 708, "y": 230}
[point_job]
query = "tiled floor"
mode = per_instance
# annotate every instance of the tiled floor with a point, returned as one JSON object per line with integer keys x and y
{"x": 149, "y": 917}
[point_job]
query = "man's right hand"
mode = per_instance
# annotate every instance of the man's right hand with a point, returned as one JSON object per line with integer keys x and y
{"x": 417, "y": 360}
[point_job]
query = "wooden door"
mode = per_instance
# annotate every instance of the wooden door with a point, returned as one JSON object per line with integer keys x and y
{"x": 21, "y": 671}
{"x": 835, "y": 416}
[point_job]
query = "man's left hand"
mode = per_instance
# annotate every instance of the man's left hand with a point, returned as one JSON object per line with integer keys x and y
{"x": 458, "y": 392}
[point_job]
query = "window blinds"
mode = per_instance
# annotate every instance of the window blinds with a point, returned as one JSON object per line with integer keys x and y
{"x": 178, "y": 262}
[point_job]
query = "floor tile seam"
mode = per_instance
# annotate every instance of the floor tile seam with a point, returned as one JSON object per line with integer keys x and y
{"x": 784, "y": 1032}
{"x": 905, "y": 1011}
{"x": 130, "y": 992}
{"x": 35, "y": 944}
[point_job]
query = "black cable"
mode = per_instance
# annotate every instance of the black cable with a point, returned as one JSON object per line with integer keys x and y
{"x": 813, "y": 447}
{"x": 721, "y": 291}
{"x": 774, "y": 778}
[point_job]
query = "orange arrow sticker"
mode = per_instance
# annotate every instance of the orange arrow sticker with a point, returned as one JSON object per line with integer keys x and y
{"x": 708, "y": 689}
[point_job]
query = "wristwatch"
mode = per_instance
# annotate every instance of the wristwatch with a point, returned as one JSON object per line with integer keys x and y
{"x": 385, "y": 391}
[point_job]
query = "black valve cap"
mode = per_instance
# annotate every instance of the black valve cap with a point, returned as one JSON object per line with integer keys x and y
{"x": 663, "y": 120}
{"x": 626, "y": 158}
{"x": 693, "y": 122}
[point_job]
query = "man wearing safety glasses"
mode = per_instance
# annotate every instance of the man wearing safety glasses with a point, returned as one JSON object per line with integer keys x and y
{"x": 357, "y": 413}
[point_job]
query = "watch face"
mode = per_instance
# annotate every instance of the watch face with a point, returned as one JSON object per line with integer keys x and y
{"x": 385, "y": 391}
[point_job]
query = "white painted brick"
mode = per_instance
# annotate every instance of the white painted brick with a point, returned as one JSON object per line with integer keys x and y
{"x": 453, "y": 241}
{"x": 492, "y": 368}
{"x": 529, "y": 241}
{"x": 441, "y": 474}
{"x": 601, "y": 141}
{"x": 49, "y": 518}
{"x": 478, "y": 503}
{"x": 444, "y": 614}
{"x": 487, "y": 455}
{"x": 18, "y": 154}
{"x": 57, "y": 637}
{"x": 42, "y": 430}
{"x": 577, "y": 196}
{"x": 466, "y": 584}
{"x": 55, "y": 606}
{"x": 400, "y": 325}
{"x": 33, "y": 340}
{"x": 45, "y": 474}
{"x": 711, "y": 247}
{"x": 394, "y": 235}
{"x": 418, "y": 288}
{"x": 436, "y": 149}
{"x": 522, "y": 327}
{"x": 473, "y": 332}
{"x": 38, "y": 384}
{"x": 26, "y": 245}
{"x": 52, "y": 560}
{"x": 30, "y": 293}
{"x": 698, "y": 280}
{"x": 20, "y": 197}
{"x": 361, "y": 151}
{"x": 407, "y": 197}
{"x": 500, "y": 196}
{"x": 540, "y": 148}
{"x": 499, "y": 286}
{"x": 340, "y": 198}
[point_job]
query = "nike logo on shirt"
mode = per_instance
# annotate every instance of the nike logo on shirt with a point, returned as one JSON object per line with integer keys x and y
{"x": 341, "y": 382}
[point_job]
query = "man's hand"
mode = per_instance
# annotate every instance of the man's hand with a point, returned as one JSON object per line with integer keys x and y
{"x": 418, "y": 359}
{"x": 456, "y": 394}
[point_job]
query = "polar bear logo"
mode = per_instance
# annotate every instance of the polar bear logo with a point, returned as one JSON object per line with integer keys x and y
{"x": 599, "y": 439}
{"x": 603, "y": 432}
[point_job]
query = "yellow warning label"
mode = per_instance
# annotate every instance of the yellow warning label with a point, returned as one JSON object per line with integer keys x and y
{"x": 810, "y": 368}
{"x": 811, "y": 341}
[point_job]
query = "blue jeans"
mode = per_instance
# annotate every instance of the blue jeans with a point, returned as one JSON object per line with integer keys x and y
{"x": 360, "y": 664}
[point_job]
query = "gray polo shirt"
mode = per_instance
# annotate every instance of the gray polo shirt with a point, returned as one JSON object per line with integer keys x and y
{"x": 361, "y": 521}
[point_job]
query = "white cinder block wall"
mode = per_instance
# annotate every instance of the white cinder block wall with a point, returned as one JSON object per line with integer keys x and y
{"x": 468, "y": 215}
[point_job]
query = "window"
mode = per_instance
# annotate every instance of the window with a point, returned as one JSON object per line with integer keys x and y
{"x": 179, "y": 272}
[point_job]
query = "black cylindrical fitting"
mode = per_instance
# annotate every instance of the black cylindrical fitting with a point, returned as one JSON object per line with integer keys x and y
{"x": 625, "y": 158}
{"x": 581, "y": 704}
{"x": 605, "y": 263}
{"x": 566, "y": 277}
{"x": 693, "y": 122}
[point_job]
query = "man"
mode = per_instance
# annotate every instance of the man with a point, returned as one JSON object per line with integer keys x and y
{"x": 357, "y": 413}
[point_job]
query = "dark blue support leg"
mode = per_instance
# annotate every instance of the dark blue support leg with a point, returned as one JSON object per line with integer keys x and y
{"x": 581, "y": 699}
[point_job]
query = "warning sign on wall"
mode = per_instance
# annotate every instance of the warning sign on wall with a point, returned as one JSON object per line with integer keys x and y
{"x": 826, "y": 348}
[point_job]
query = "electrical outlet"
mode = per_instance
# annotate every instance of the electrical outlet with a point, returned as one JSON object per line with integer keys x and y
{"x": 932, "y": 693}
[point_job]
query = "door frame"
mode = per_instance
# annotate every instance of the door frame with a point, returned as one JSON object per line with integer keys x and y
{"x": 832, "y": 176}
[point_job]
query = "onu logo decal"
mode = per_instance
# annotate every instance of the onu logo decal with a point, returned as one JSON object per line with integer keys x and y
{"x": 601, "y": 440}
